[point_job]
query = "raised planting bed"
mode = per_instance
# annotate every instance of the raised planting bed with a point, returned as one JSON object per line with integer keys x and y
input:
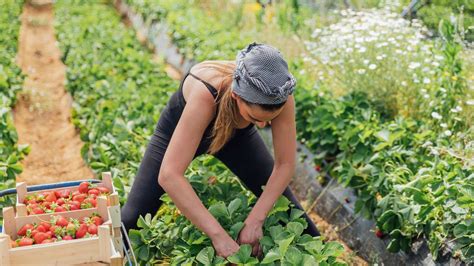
{"x": 156, "y": 33}
{"x": 335, "y": 204}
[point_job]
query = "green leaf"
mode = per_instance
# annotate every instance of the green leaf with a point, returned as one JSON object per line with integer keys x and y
{"x": 393, "y": 246}
{"x": 293, "y": 256}
{"x": 284, "y": 244}
{"x": 242, "y": 256}
{"x": 219, "y": 210}
{"x": 271, "y": 256}
{"x": 282, "y": 204}
{"x": 235, "y": 229}
{"x": 135, "y": 237}
{"x": 143, "y": 253}
{"x": 234, "y": 205}
{"x": 295, "y": 214}
{"x": 206, "y": 256}
{"x": 295, "y": 228}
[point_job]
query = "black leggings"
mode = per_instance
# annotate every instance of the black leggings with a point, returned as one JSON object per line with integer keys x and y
{"x": 245, "y": 155}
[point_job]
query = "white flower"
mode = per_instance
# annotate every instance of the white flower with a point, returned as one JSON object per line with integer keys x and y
{"x": 426, "y": 80}
{"x": 379, "y": 57}
{"x": 361, "y": 71}
{"x": 448, "y": 133}
{"x": 454, "y": 110}
{"x": 372, "y": 66}
{"x": 470, "y": 102}
{"x": 443, "y": 90}
{"x": 416, "y": 80}
{"x": 436, "y": 115}
{"x": 458, "y": 108}
{"x": 427, "y": 144}
{"x": 434, "y": 152}
{"x": 366, "y": 62}
{"x": 426, "y": 96}
{"x": 444, "y": 125}
{"x": 414, "y": 65}
{"x": 404, "y": 83}
{"x": 435, "y": 64}
{"x": 362, "y": 50}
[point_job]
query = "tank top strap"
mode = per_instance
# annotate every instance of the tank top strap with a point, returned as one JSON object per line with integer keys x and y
{"x": 211, "y": 88}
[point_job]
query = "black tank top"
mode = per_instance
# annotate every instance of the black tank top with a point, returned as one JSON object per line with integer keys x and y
{"x": 176, "y": 104}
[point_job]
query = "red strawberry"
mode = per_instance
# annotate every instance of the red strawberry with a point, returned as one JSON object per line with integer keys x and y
{"x": 317, "y": 168}
{"x": 61, "y": 221}
{"x": 84, "y": 187}
{"x": 50, "y": 197}
{"x": 67, "y": 237}
{"x": 46, "y": 225}
{"x": 103, "y": 190}
{"x": 57, "y": 193}
{"x": 75, "y": 203}
{"x": 41, "y": 228}
{"x": 33, "y": 233}
{"x": 47, "y": 241}
{"x": 46, "y": 205}
{"x": 75, "y": 193}
{"x": 73, "y": 208}
{"x": 79, "y": 198}
{"x": 60, "y": 202}
{"x": 97, "y": 220}
{"x": 25, "y": 241}
{"x": 49, "y": 234}
{"x": 37, "y": 211}
{"x": 65, "y": 193}
{"x": 32, "y": 201}
{"x": 60, "y": 209}
{"x": 81, "y": 232}
{"x": 24, "y": 229}
{"x": 93, "y": 191}
{"x": 92, "y": 229}
{"x": 378, "y": 233}
{"x": 40, "y": 237}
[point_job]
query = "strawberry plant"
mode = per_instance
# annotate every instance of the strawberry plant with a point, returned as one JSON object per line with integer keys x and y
{"x": 169, "y": 236}
{"x": 11, "y": 81}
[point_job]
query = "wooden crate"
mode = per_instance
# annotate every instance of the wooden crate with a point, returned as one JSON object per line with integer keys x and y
{"x": 106, "y": 247}
{"x": 22, "y": 192}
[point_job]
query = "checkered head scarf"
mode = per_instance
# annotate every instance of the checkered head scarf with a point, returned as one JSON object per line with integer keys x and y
{"x": 262, "y": 75}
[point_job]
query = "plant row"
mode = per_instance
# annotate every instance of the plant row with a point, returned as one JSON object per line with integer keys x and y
{"x": 11, "y": 81}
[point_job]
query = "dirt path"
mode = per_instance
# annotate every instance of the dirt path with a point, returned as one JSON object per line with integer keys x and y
{"x": 43, "y": 111}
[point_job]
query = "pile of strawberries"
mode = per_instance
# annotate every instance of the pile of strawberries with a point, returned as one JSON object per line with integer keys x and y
{"x": 59, "y": 228}
{"x": 65, "y": 199}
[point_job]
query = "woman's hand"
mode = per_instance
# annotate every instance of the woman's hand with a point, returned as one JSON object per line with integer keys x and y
{"x": 224, "y": 245}
{"x": 251, "y": 234}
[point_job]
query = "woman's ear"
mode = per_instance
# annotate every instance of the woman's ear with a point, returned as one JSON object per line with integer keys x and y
{"x": 234, "y": 96}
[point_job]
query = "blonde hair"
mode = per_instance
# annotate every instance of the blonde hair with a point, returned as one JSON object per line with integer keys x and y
{"x": 227, "y": 115}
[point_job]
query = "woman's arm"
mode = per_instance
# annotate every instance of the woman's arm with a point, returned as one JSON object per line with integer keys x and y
{"x": 197, "y": 115}
{"x": 284, "y": 143}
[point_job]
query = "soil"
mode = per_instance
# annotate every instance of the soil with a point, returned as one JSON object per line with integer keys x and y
{"x": 42, "y": 115}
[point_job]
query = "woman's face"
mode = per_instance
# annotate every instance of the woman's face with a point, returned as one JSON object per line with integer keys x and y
{"x": 254, "y": 113}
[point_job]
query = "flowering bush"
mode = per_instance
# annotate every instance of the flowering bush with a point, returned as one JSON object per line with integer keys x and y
{"x": 377, "y": 52}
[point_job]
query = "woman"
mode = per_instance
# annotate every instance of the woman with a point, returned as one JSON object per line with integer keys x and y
{"x": 214, "y": 111}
